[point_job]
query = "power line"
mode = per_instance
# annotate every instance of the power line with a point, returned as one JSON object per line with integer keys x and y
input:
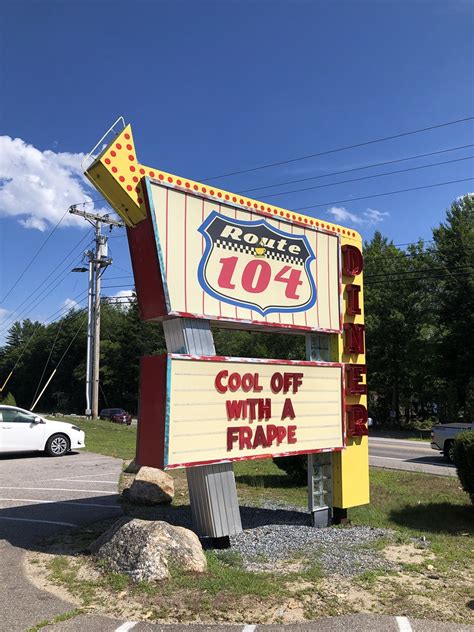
{"x": 338, "y": 149}
{"x": 367, "y": 197}
{"x": 403, "y": 272}
{"x": 376, "y": 175}
{"x": 33, "y": 259}
{"x": 338, "y": 173}
{"x": 14, "y": 315}
{"x": 422, "y": 278}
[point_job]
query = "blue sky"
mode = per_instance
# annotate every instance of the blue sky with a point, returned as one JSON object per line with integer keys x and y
{"x": 216, "y": 87}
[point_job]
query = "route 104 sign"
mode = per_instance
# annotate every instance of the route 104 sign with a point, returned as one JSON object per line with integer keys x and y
{"x": 251, "y": 264}
{"x": 221, "y": 262}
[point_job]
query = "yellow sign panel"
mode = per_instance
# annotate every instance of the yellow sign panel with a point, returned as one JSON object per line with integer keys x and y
{"x": 232, "y": 409}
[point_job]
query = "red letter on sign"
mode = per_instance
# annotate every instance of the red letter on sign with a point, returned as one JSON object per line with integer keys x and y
{"x": 353, "y": 306}
{"x": 218, "y": 381}
{"x": 354, "y": 373}
{"x": 352, "y": 260}
{"x": 353, "y": 338}
{"x": 357, "y": 420}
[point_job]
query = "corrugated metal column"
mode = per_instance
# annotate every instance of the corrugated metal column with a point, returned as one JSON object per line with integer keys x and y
{"x": 212, "y": 490}
{"x": 319, "y": 464}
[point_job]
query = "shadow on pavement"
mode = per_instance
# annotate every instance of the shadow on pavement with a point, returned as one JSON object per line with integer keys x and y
{"x": 10, "y": 456}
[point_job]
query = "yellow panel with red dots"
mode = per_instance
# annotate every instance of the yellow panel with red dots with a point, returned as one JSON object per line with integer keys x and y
{"x": 118, "y": 175}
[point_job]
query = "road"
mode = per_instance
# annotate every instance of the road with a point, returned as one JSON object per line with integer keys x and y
{"x": 411, "y": 456}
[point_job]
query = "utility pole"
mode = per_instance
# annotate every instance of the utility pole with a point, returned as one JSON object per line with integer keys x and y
{"x": 98, "y": 261}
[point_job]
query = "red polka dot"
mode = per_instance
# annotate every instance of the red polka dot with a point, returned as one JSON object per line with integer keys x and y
{"x": 299, "y": 219}
{"x": 118, "y": 145}
{"x": 305, "y": 220}
{"x": 204, "y": 190}
{"x": 353, "y": 234}
{"x": 195, "y": 187}
{"x": 241, "y": 201}
{"x": 135, "y": 179}
{"x": 129, "y": 187}
{"x": 113, "y": 153}
{"x": 170, "y": 179}
{"x": 107, "y": 161}
{"x": 333, "y": 229}
{"x": 161, "y": 176}
{"x": 140, "y": 201}
{"x": 178, "y": 182}
{"x": 262, "y": 208}
{"x": 131, "y": 157}
{"x": 255, "y": 205}
{"x": 114, "y": 169}
{"x": 132, "y": 168}
{"x": 187, "y": 185}
{"x": 151, "y": 174}
{"x": 211, "y": 192}
{"x": 317, "y": 223}
{"x": 274, "y": 211}
{"x": 234, "y": 199}
{"x": 219, "y": 194}
{"x": 338, "y": 230}
{"x": 293, "y": 217}
{"x": 122, "y": 179}
{"x": 127, "y": 136}
{"x": 288, "y": 215}
{"x": 129, "y": 147}
{"x": 249, "y": 203}
{"x": 311, "y": 222}
{"x": 227, "y": 197}
{"x": 343, "y": 232}
{"x": 281, "y": 213}
{"x": 142, "y": 171}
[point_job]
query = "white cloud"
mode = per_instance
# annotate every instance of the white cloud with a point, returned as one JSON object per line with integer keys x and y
{"x": 69, "y": 304}
{"x": 121, "y": 298}
{"x": 369, "y": 217}
{"x": 38, "y": 186}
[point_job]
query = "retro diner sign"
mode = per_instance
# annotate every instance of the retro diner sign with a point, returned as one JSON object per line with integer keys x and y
{"x": 224, "y": 263}
{"x": 216, "y": 409}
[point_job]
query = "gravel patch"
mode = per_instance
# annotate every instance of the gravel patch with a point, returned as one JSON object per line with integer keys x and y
{"x": 288, "y": 543}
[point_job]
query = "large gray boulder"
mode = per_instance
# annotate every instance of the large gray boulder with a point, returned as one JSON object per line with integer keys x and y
{"x": 144, "y": 549}
{"x": 151, "y": 487}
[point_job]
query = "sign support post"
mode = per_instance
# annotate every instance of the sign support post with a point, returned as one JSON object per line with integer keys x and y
{"x": 319, "y": 465}
{"x": 212, "y": 490}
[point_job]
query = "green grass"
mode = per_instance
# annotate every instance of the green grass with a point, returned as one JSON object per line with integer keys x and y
{"x": 105, "y": 437}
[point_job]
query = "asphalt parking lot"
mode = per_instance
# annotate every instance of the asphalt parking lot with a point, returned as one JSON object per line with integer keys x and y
{"x": 40, "y": 497}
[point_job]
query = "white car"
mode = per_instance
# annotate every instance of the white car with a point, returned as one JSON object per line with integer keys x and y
{"x": 24, "y": 431}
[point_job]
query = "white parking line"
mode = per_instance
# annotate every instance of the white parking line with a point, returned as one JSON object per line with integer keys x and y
{"x": 249, "y": 628}
{"x": 83, "y": 476}
{"x": 65, "y": 524}
{"x": 403, "y": 624}
{"x": 76, "y": 480}
{"x": 65, "y": 489}
{"x": 128, "y": 625}
{"x": 57, "y": 502}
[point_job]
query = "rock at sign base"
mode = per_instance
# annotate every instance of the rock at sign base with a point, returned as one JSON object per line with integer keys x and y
{"x": 130, "y": 467}
{"x": 151, "y": 487}
{"x": 144, "y": 549}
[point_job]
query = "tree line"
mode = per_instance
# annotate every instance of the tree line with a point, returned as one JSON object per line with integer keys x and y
{"x": 419, "y": 314}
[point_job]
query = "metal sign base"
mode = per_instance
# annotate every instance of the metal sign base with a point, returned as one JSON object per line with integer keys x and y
{"x": 212, "y": 490}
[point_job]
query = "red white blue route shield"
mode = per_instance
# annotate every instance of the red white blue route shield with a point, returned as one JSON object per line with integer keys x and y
{"x": 254, "y": 265}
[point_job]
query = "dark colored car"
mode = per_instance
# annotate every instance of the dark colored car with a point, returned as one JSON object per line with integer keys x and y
{"x": 117, "y": 415}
